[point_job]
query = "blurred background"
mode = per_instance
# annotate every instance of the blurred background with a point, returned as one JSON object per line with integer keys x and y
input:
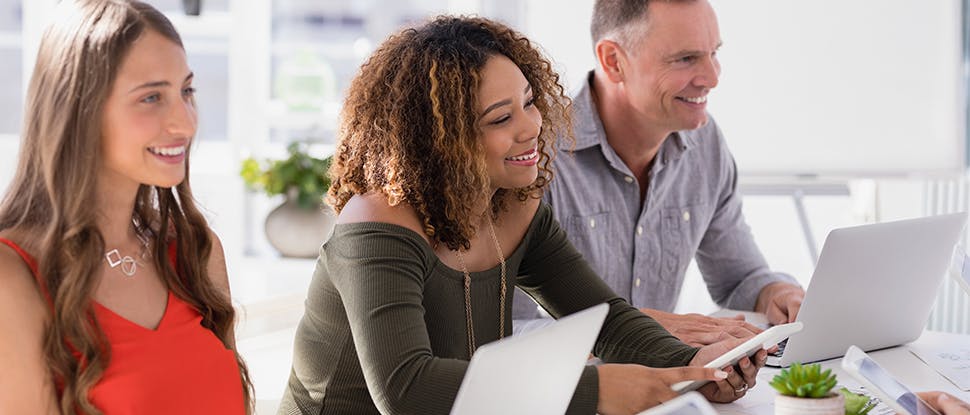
{"x": 836, "y": 118}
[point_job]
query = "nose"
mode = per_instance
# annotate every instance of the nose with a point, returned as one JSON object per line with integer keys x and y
{"x": 182, "y": 118}
{"x": 708, "y": 73}
{"x": 529, "y": 126}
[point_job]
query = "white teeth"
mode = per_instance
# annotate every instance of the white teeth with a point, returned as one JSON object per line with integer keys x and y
{"x": 168, "y": 151}
{"x": 529, "y": 156}
{"x": 697, "y": 100}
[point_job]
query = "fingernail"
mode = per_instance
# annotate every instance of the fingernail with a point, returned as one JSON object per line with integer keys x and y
{"x": 720, "y": 374}
{"x": 745, "y": 363}
{"x": 728, "y": 369}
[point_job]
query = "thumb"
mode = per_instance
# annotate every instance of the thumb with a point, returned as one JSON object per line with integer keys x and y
{"x": 678, "y": 374}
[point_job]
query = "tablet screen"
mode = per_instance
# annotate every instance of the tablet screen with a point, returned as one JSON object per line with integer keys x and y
{"x": 892, "y": 388}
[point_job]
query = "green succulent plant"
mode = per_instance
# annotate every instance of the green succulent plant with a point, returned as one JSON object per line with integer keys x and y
{"x": 807, "y": 381}
{"x": 857, "y": 404}
{"x": 299, "y": 175}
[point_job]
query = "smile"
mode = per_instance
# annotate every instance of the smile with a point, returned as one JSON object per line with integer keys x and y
{"x": 694, "y": 100}
{"x": 168, "y": 151}
{"x": 529, "y": 155}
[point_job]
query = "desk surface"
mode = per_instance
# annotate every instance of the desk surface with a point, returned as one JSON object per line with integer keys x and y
{"x": 899, "y": 361}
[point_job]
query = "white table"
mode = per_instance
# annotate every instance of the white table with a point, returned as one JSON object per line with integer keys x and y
{"x": 899, "y": 361}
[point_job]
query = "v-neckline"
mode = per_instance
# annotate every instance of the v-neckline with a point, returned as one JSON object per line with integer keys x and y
{"x": 161, "y": 321}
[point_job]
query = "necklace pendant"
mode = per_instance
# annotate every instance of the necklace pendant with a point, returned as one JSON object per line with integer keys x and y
{"x": 128, "y": 264}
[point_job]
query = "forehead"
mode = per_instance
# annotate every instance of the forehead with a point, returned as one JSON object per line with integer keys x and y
{"x": 153, "y": 57}
{"x": 500, "y": 79}
{"x": 674, "y": 26}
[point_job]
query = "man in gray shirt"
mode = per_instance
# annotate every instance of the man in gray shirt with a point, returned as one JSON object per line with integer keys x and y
{"x": 650, "y": 183}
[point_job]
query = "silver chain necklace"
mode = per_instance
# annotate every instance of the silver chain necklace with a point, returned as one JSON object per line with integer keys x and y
{"x": 129, "y": 265}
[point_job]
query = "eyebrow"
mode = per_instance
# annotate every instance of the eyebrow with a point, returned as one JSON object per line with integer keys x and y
{"x": 504, "y": 101}
{"x": 157, "y": 84}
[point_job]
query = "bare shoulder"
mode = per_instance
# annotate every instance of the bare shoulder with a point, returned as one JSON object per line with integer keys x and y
{"x": 23, "y": 308}
{"x": 373, "y": 207}
{"x": 25, "y": 386}
{"x": 216, "y": 267}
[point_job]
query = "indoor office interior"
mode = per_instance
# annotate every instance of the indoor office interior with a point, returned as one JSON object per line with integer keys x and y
{"x": 835, "y": 119}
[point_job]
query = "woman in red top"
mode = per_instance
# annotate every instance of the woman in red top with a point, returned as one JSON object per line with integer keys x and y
{"x": 114, "y": 297}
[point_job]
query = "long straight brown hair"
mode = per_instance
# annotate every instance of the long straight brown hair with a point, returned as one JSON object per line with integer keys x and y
{"x": 53, "y": 195}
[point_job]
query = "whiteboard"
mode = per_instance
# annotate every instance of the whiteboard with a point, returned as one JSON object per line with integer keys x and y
{"x": 820, "y": 87}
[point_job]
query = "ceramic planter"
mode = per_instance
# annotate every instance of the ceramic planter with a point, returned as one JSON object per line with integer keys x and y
{"x": 834, "y": 404}
{"x": 299, "y": 232}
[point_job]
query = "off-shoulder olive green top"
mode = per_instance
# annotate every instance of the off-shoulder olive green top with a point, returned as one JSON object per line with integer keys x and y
{"x": 384, "y": 328}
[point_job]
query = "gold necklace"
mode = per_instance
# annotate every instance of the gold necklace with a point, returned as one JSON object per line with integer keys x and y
{"x": 470, "y": 327}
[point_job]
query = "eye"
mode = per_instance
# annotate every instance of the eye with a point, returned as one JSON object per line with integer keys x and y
{"x": 151, "y": 99}
{"x": 530, "y": 102}
{"x": 188, "y": 91}
{"x": 687, "y": 59}
{"x": 501, "y": 120}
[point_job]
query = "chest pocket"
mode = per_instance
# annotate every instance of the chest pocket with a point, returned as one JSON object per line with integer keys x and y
{"x": 682, "y": 230}
{"x": 589, "y": 234}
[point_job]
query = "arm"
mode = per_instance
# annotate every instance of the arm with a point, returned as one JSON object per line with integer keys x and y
{"x": 26, "y": 386}
{"x": 730, "y": 261}
{"x": 561, "y": 281}
{"x": 379, "y": 275}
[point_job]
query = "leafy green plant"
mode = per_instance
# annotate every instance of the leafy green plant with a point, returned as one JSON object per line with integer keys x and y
{"x": 857, "y": 404}
{"x": 804, "y": 381}
{"x": 299, "y": 175}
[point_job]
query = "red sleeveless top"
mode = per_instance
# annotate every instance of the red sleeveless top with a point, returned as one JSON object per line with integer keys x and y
{"x": 178, "y": 368}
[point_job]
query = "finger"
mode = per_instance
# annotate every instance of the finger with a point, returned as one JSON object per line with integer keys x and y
{"x": 677, "y": 374}
{"x": 749, "y": 371}
{"x": 775, "y": 314}
{"x": 930, "y": 398}
{"x": 742, "y": 332}
{"x": 727, "y": 387}
{"x": 738, "y": 317}
{"x": 712, "y": 392}
{"x": 752, "y": 328}
{"x": 761, "y": 358}
{"x": 952, "y": 406}
{"x": 793, "y": 307}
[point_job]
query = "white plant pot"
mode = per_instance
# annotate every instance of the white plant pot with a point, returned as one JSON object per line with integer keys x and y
{"x": 299, "y": 232}
{"x": 834, "y": 404}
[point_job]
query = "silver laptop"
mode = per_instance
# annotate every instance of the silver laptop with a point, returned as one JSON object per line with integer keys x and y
{"x": 691, "y": 403}
{"x": 530, "y": 373}
{"x": 873, "y": 286}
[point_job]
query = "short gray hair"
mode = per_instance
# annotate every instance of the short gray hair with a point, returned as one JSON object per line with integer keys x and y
{"x": 618, "y": 19}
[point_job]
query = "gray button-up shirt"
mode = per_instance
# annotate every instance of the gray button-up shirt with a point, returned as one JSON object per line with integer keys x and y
{"x": 691, "y": 210}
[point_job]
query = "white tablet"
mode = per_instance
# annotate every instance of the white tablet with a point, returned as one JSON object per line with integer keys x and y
{"x": 883, "y": 385}
{"x": 690, "y": 403}
{"x": 763, "y": 340}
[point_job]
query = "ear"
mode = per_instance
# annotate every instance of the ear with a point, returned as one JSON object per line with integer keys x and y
{"x": 611, "y": 58}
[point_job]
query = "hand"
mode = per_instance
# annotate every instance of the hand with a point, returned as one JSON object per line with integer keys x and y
{"x": 780, "y": 302}
{"x": 741, "y": 377}
{"x": 698, "y": 330}
{"x": 631, "y": 388}
{"x": 945, "y": 404}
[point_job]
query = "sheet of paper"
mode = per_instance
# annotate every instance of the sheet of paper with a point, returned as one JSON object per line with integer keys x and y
{"x": 952, "y": 361}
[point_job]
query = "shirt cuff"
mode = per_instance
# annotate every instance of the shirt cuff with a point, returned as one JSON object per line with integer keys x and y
{"x": 745, "y": 296}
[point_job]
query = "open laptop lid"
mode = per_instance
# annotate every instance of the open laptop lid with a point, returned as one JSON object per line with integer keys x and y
{"x": 530, "y": 373}
{"x": 691, "y": 403}
{"x": 874, "y": 286}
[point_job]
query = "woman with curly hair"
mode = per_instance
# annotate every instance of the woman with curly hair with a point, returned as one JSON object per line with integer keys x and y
{"x": 115, "y": 298}
{"x": 445, "y": 143}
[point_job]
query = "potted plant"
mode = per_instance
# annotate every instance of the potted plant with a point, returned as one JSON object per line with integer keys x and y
{"x": 302, "y": 223}
{"x": 857, "y": 404}
{"x": 807, "y": 390}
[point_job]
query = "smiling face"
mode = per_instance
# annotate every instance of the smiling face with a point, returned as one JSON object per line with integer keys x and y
{"x": 510, "y": 124}
{"x": 673, "y": 66}
{"x": 149, "y": 117}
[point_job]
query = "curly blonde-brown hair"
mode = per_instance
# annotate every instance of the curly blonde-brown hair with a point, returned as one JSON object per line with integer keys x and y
{"x": 410, "y": 125}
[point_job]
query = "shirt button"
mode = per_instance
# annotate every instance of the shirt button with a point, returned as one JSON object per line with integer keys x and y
{"x": 628, "y": 179}
{"x": 637, "y": 283}
{"x": 639, "y": 230}
{"x": 592, "y": 223}
{"x": 686, "y": 216}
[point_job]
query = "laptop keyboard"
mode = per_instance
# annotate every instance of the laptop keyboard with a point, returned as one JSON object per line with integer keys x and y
{"x": 781, "y": 348}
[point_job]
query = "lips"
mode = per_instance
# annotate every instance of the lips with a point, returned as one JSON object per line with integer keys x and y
{"x": 694, "y": 100}
{"x": 526, "y": 156}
